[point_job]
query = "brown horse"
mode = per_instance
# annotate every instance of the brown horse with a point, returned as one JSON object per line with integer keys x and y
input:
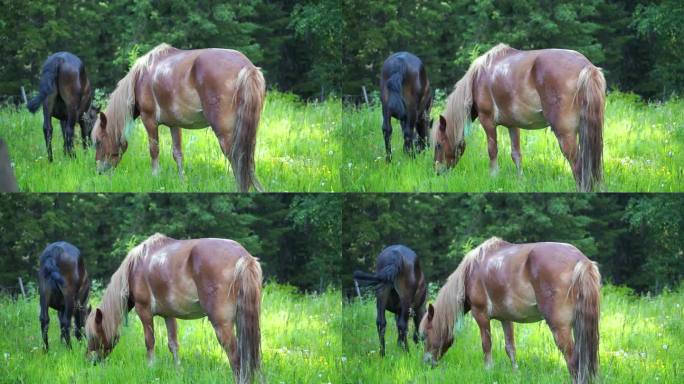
{"x": 185, "y": 279}
{"x": 529, "y": 90}
{"x": 522, "y": 283}
{"x": 192, "y": 89}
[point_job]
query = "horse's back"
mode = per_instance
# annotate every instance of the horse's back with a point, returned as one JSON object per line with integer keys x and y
{"x": 412, "y": 71}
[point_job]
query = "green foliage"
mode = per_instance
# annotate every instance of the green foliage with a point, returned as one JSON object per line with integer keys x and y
{"x": 300, "y": 341}
{"x": 297, "y": 150}
{"x": 295, "y": 236}
{"x": 636, "y": 239}
{"x": 640, "y": 342}
{"x": 643, "y": 152}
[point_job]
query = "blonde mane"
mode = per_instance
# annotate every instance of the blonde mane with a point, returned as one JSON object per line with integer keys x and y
{"x": 460, "y": 100}
{"x": 115, "y": 298}
{"x": 119, "y": 110}
{"x": 449, "y": 303}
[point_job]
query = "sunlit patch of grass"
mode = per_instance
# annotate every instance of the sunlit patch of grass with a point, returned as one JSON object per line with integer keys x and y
{"x": 640, "y": 342}
{"x": 300, "y": 340}
{"x": 643, "y": 152}
{"x": 296, "y": 151}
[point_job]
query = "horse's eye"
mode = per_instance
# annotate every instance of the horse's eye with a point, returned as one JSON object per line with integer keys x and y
{"x": 438, "y": 147}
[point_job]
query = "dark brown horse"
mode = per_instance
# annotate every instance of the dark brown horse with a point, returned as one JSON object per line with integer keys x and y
{"x": 405, "y": 95}
{"x": 399, "y": 288}
{"x": 63, "y": 285}
{"x": 65, "y": 94}
{"x": 192, "y": 89}
{"x": 185, "y": 279}
{"x": 522, "y": 283}
{"x": 529, "y": 90}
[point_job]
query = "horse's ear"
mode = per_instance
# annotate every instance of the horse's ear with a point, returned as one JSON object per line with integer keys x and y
{"x": 431, "y": 312}
{"x": 90, "y": 309}
{"x": 98, "y": 316}
{"x": 442, "y": 123}
{"x": 103, "y": 120}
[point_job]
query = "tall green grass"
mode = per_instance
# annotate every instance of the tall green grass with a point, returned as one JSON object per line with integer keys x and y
{"x": 296, "y": 151}
{"x": 643, "y": 152}
{"x": 300, "y": 341}
{"x": 641, "y": 342}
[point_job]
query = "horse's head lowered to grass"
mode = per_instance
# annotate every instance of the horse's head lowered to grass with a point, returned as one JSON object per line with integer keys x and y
{"x": 109, "y": 146}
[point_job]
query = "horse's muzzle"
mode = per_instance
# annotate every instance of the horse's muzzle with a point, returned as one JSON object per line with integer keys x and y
{"x": 440, "y": 168}
{"x": 429, "y": 359}
{"x": 103, "y": 166}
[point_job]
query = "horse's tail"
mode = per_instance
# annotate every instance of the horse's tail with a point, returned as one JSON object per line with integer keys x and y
{"x": 386, "y": 275}
{"x": 48, "y": 83}
{"x": 248, "y": 100}
{"x": 586, "y": 289}
{"x": 591, "y": 94}
{"x": 248, "y": 279}
{"x": 51, "y": 272}
{"x": 394, "y": 84}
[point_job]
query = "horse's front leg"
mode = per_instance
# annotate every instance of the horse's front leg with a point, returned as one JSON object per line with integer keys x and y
{"x": 492, "y": 146}
{"x": 510, "y": 341}
{"x": 147, "y": 320}
{"x": 171, "y": 328}
{"x": 177, "y": 150}
{"x": 514, "y": 133}
{"x": 150, "y": 123}
{"x": 402, "y": 324}
{"x": 408, "y": 127}
{"x": 483, "y": 322}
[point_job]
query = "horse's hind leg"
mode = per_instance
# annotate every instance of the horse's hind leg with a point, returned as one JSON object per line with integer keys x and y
{"x": 224, "y": 332}
{"x": 44, "y": 319}
{"x": 47, "y": 123}
{"x": 387, "y": 133}
{"x": 514, "y": 133}
{"x": 171, "y": 328}
{"x": 381, "y": 321}
{"x": 510, "y": 341}
{"x": 563, "y": 337}
{"x": 177, "y": 150}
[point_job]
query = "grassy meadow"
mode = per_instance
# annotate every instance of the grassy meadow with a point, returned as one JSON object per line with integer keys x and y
{"x": 640, "y": 343}
{"x": 643, "y": 152}
{"x": 296, "y": 151}
{"x": 300, "y": 343}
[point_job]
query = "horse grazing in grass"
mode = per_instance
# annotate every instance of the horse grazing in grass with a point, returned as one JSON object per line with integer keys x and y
{"x": 521, "y": 283}
{"x": 529, "y": 90}
{"x": 405, "y": 95}
{"x": 399, "y": 288}
{"x": 64, "y": 285}
{"x": 65, "y": 94}
{"x": 191, "y": 89}
{"x": 185, "y": 279}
